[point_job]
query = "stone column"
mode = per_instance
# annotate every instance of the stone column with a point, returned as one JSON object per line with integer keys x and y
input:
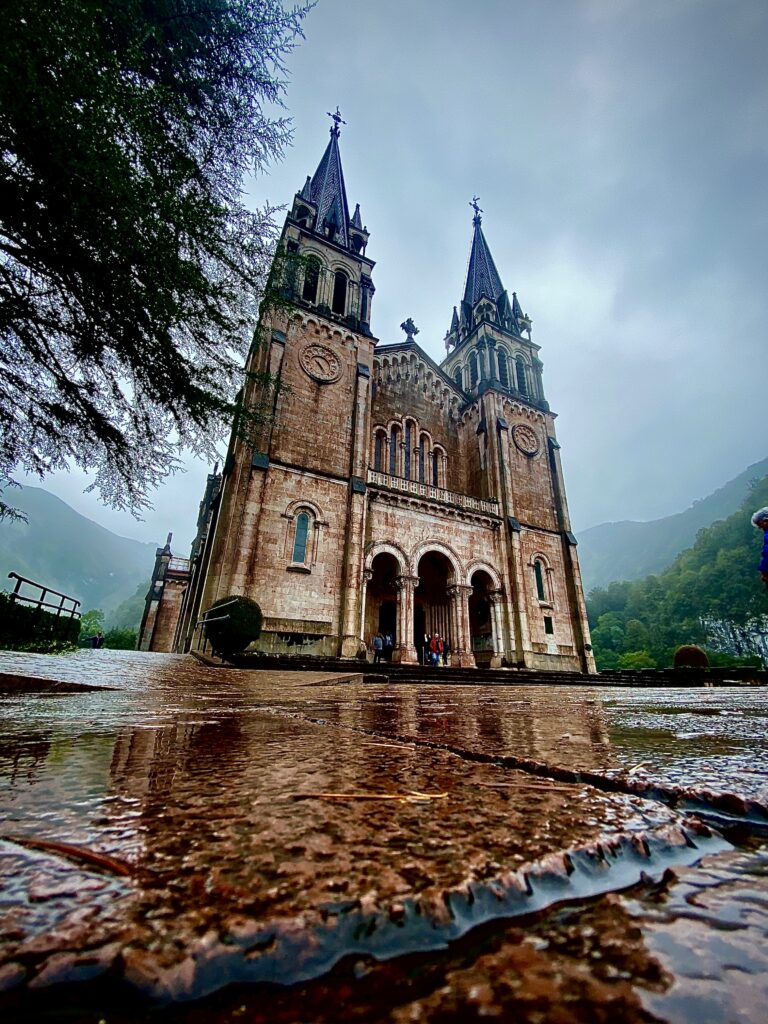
{"x": 461, "y": 640}
{"x": 496, "y": 597}
{"x": 405, "y": 650}
{"x": 367, "y": 577}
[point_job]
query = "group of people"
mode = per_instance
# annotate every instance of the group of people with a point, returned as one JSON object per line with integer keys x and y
{"x": 435, "y": 651}
{"x": 382, "y": 646}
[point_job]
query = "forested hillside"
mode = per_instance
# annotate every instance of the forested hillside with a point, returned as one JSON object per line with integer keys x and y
{"x": 710, "y": 595}
{"x": 63, "y": 550}
{"x": 630, "y": 550}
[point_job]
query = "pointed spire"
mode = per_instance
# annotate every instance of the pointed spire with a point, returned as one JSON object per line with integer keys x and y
{"x": 357, "y": 221}
{"x": 306, "y": 192}
{"x": 327, "y": 190}
{"x": 455, "y": 320}
{"x": 482, "y": 275}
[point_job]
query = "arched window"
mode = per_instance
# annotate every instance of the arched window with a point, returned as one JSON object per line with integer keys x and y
{"x": 394, "y": 437}
{"x": 311, "y": 278}
{"x": 408, "y": 449}
{"x": 339, "y": 304}
{"x": 473, "y": 369}
{"x": 538, "y": 573}
{"x": 522, "y": 382}
{"x": 501, "y": 355}
{"x": 300, "y": 537}
{"x": 458, "y": 377}
{"x": 436, "y": 457}
{"x": 422, "y": 457}
{"x": 378, "y": 452}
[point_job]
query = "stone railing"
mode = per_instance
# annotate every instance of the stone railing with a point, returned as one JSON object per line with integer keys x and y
{"x": 399, "y": 483}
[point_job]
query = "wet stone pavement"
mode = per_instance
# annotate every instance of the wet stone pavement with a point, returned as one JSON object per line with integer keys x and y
{"x": 188, "y": 843}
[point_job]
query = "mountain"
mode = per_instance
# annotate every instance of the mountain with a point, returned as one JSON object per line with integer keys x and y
{"x": 629, "y": 550}
{"x": 710, "y": 595}
{"x": 65, "y": 551}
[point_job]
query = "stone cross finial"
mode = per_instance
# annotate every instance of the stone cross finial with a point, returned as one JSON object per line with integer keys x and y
{"x": 337, "y": 120}
{"x": 410, "y": 328}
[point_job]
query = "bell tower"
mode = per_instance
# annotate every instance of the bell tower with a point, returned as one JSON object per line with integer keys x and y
{"x": 291, "y": 523}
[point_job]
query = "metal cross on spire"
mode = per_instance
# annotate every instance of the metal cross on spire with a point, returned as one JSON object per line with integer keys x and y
{"x": 337, "y": 120}
{"x": 476, "y": 208}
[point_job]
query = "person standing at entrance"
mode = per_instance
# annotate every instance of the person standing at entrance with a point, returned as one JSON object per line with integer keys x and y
{"x": 377, "y": 644}
{"x": 436, "y": 648}
{"x": 388, "y": 647}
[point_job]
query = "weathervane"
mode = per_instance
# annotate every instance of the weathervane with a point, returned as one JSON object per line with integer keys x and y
{"x": 410, "y": 329}
{"x": 475, "y": 207}
{"x": 337, "y": 120}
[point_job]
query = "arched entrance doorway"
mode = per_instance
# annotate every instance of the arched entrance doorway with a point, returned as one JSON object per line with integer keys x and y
{"x": 485, "y": 620}
{"x": 432, "y": 604}
{"x": 481, "y": 618}
{"x": 381, "y": 598}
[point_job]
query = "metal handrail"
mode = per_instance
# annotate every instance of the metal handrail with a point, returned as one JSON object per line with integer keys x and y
{"x": 40, "y": 602}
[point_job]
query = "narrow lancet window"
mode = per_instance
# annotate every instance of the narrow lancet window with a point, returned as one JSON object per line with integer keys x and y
{"x": 473, "y": 369}
{"x": 522, "y": 382}
{"x": 393, "y": 439}
{"x": 408, "y": 449}
{"x": 311, "y": 278}
{"x": 339, "y": 304}
{"x": 503, "y": 368}
{"x": 537, "y": 572}
{"x": 378, "y": 453}
{"x": 300, "y": 538}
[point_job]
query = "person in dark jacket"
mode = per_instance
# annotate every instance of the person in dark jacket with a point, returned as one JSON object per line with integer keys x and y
{"x": 760, "y": 520}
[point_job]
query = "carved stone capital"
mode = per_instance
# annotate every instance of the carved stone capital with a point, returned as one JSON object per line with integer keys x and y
{"x": 367, "y": 575}
{"x": 404, "y": 583}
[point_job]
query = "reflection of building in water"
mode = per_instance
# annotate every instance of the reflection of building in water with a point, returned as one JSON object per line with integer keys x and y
{"x": 388, "y": 492}
{"x": 573, "y": 733}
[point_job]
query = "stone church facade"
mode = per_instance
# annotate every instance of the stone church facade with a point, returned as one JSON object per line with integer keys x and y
{"x": 387, "y": 492}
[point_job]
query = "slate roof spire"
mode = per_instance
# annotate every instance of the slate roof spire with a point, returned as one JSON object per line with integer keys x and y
{"x": 327, "y": 190}
{"x": 482, "y": 275}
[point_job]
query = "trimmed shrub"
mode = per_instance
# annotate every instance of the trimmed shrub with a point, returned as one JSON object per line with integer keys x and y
{"x": 690, "y": 656}
{"x": 239, "y": 626}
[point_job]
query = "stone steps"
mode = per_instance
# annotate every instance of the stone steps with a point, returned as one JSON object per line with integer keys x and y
{"x": 420, "y": 675}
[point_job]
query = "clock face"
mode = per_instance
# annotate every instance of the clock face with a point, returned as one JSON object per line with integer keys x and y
{"x": 525, "y": 439}
{"x": 321, "y": 363}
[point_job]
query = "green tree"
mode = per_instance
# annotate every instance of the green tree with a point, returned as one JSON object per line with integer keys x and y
{"x": 130, "y": 270}
{"x": 91, "y": 622}
{"x": 635, "y": 660}
{"x": 121, "y": 639}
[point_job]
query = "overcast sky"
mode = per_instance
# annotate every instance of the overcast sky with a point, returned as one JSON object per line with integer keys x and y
{"x": 620, "y": 152}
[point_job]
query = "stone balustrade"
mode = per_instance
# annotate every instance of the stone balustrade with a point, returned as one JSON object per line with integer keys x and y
{"x": 489, "y": 506}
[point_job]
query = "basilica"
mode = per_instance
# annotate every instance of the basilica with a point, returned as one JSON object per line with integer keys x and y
{"x": 384, "y": 491}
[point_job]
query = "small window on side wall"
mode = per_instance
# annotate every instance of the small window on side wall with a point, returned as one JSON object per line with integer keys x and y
{"x": 538, "y": 573}
{"x": 300, "y": 539}
{"x": 549, "y": 626}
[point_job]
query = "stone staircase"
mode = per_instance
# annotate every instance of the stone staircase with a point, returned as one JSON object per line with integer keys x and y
{"x": 420, "y": 675}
